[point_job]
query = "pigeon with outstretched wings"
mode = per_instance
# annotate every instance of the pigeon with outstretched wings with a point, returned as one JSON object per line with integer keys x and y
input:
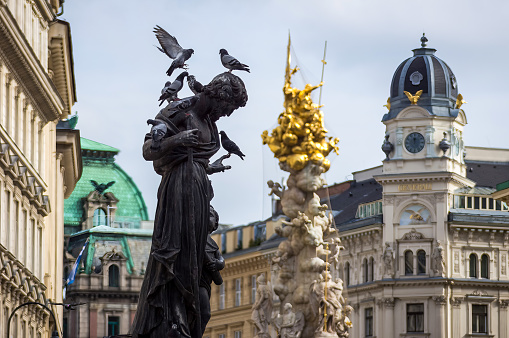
{"x": 171, "y": 47}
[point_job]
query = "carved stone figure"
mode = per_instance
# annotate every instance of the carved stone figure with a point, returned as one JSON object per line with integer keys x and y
{"x": 388, "y": 259}
{"x": 290, "y": 324}
{"x": 438, "y": 259}
{"x": 169, "y": 302}
{"x": 326, "y": 301}
{"x": 262, "y": 308}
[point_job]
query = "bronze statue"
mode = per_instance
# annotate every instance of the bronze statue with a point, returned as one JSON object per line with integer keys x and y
{"x": 170, "y": 302}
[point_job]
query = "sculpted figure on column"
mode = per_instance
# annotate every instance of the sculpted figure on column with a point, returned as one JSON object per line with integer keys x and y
{"x": 262, "y": 308}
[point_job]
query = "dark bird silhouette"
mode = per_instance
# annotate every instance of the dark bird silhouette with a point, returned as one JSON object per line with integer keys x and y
{"x": 101, "y": 188}
{"x": 171, "y": 47}
{"x": 195, "y": 86}
{"x": 230, "y": 146}
{"x": 158, "y": 131}
{"x": 232, "y": 63}
{"x": 171, "y": 90}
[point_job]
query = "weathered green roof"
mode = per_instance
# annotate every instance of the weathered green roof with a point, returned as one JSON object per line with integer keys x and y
{"x": 93, "y": 145}
{"x": 133, "y": 243}
{"x": 103, "y": 169}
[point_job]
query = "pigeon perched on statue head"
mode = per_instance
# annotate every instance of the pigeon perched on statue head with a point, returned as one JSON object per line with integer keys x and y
{"x": 171, "y": 90}
{"x": 232, "y": 63}
{"x": 171, "y": 47}
{"x": 230, "y": 146}
{"x": 158, "y": 131}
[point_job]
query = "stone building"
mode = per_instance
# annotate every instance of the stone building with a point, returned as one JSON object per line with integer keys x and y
{"x": 108, "y": 209}
{"x": 40, "y": 161}
{"x": 426, "y": 234}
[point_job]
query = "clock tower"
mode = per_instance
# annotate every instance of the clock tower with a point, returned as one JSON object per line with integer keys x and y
{"x": 424, "y": 161}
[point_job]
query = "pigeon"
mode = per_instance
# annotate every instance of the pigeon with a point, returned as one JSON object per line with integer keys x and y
{"x": 230, "y": 146}
{"x": 171, "y": 90}
{"x": 158, "y": 131}
{"x": 171, "y": 47}
{"x": 232, "y": 63}
{"x": 101, "y": 188}
{"x": 195, "y": 86}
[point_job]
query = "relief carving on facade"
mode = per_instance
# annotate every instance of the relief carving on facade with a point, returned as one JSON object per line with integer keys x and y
{"x": 440, "y": 300}
{"x": 386, "y": 302}
{"x": 388, "y": 259}
{"x": 503, "y": 303}
{"x": 413, "y": 235}
{"x": 479, "y": 293}
{"x": 456, "y": 262}
{"x": 456, "y": 301}
{"x": 503, "y": 264}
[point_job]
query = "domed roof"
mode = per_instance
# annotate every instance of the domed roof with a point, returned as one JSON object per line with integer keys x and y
{"x": 99, "y": 165}
{"x": 424, "y": 71}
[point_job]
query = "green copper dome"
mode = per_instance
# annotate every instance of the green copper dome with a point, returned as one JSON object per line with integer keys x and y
{"x": 99, "y": 165}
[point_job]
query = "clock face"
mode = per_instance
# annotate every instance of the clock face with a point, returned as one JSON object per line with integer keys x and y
{"x": 414, "y": 142}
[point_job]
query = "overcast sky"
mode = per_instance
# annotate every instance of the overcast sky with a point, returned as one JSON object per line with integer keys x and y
{"x": 119, "y": 75}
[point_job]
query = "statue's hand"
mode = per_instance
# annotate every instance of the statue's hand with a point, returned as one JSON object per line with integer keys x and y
{"x": 187, "y": 137}
{"x": 217, "y": 165}
{"x": 211, "y": 266}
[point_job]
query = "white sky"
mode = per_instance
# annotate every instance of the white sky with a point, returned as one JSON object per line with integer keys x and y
{"x": 119, "y": 75}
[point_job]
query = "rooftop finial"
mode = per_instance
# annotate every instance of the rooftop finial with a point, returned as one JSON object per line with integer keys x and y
{"x": 424, "y": 39}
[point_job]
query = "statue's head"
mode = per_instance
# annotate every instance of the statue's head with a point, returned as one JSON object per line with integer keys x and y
{"x": 261, "y": 279}
{"x": 227, "y": 92}
{"x": 288, "y": 307}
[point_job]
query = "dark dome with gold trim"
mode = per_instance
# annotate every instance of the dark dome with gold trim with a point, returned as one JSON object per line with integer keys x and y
{"x": 424, "y": 71}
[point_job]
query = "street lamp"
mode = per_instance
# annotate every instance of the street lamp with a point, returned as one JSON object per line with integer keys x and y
{"x": 54, "y": 334}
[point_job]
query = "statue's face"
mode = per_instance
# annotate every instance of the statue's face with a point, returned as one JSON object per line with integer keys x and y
{"x": 220, "y": 109}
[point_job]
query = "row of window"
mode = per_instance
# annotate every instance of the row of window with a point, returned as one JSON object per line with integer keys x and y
{"x": 479, "y": 203}
{"x": 475, "y": 271}
{"x": 238, "y": 292}
{"x": 369, "y": 209}
{"x": 20, "y": 233}
{"x": 474, "y": 267}
{"x": 20, "y": 122}
{"x": 18, "y": 326}
{"x": 415, "y": 319}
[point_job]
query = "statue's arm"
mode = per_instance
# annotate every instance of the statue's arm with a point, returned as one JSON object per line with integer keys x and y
{"x": 184, "y": 138}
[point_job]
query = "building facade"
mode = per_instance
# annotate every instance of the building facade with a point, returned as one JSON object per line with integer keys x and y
{"x": 425, "y": 234}
{"x": 107, "y": 209}
{"x": 40, "y": 162}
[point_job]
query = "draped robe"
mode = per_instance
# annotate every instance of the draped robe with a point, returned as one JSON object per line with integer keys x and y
{"x": 169, "y": 298}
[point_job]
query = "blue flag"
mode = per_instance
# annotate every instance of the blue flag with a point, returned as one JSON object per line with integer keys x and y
{"x": 76, "y": 266}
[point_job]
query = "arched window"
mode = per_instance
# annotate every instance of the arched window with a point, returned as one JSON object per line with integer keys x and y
{"x": 409, "y": 262}
{"x": 371, "y": 269}
{"x": 340, "y": 271}
{"x": 421, "y": 262}
{"x": 473, "y": 265}
{"x": 113, "y": 273}
{"x": 99, "y": 217}
{"x": 366, "y": 269}
{"x": 347, "y": 273}
{"x": 485, "y": 266}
